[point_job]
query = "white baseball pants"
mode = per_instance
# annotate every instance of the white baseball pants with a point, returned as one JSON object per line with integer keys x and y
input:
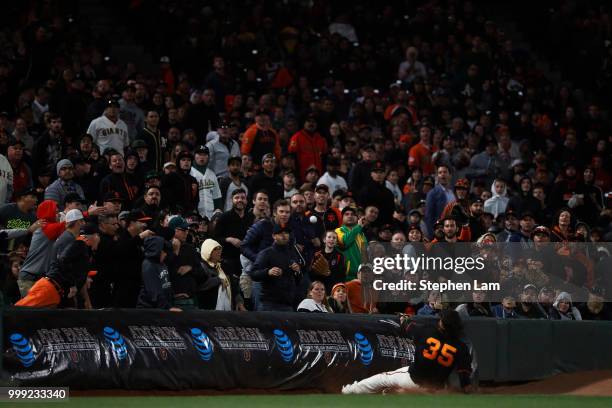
{"x": 389, "y": 381}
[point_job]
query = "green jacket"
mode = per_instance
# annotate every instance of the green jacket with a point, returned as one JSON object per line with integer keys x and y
{"x": 352, "y": 243}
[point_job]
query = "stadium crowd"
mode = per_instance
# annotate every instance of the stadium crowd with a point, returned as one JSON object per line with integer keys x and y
{"x": 259, "y": 165}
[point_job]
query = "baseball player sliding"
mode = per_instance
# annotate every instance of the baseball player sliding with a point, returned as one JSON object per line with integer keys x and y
{"x": 438, "y": 351}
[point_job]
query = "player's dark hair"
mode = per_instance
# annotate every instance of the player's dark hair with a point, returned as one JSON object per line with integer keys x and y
{"x": 453, "y": 325}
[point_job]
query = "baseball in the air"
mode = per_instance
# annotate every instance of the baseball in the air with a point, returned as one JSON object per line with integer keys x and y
{"x": 313, "y": 219}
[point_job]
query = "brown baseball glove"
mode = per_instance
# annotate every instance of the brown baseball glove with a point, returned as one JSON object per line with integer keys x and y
{"x": 320, "y": 266}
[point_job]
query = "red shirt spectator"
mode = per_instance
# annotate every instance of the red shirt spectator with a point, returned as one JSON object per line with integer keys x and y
{"x": 309, "y": 146}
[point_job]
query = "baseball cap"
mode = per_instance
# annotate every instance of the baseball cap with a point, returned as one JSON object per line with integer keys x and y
{"x": 428, "y": 180}
{"x": 26, "y": 192}
{"x": 527, "y": 214}
{"x": 138, "y": 215}
{"x": 169, "y": 164}
{"x": 72, "y": 198}
{"x": 152, "y": 175}
{"x": 89, "y": 229}
{"x": 415, "y": 212}
{"x": 267, "y": 156}
{"x": 312, "y": 168}
{"x": 112, "y": 196}
{"x": 195, "y": 218}
{"x": 123, "y": 215}
{"x": 280, "y": 228}
{"x": 386, "y": 227}
{"x": 224, "y": 125}
{"x": 540, "y": 229}
{"x": 422, "y": 203}
{"x": 112, "y": 102}
{"x": 178, "y": 222}
{"x": 322, "y": 187}
{"x": 131, "y": 153}
{"x": 378, "y": 166}
{"x": 184, "y": 155}
{"x": 349, "y": 208}
{"x": 414, "y": 226}
{"x": 511, "y": 213}
{"x": 73, "y": 215}
{"x": 202, "y": 149}
{"x": 139, "y": 143}
{"x": 462, "y": 183}
{"x": 347, "y": 194}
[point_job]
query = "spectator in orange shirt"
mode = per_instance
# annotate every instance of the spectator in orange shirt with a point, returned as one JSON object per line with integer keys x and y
{"x": 355, "y": 291}
{"x": 309, "y": 146}
{"x": 260, "y": 138}
{"x": 419, "y": 155}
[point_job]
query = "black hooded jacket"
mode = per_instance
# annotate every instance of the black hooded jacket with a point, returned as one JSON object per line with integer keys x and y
{"x": 157, "y": 289}
{"x": 180, "y": 189}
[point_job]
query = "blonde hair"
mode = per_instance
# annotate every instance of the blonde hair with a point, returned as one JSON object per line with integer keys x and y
{"x": 324, "y": 302}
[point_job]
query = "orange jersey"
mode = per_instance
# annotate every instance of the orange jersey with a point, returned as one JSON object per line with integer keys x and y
{"x": 310, "y": 149}
{"x": 257, "y": 142}
{"x": 420, "y": 156}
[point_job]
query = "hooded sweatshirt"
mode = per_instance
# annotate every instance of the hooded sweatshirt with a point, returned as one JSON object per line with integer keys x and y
{"x": 180, "y": 189}
{"x": 218, "y": 283}
{"x": 498, "y": 202}
{"x": 157, "y": 290}
{"x": 571, "y": 314}
{"x": 38, "y": 260}
{"x": 525, "y": 201}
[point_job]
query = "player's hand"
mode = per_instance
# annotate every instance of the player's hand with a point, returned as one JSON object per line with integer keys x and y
{"x": 275, "y": 271}
{"x": 240, "y": 308}
{"x": 72, "y": 293}
{"x": 295, "y": 267}
{"x": 362, "y": 222}
{"x": 175, "y": 309}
